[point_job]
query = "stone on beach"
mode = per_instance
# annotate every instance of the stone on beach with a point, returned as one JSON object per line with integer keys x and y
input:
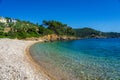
{"x": 14, "y": 64}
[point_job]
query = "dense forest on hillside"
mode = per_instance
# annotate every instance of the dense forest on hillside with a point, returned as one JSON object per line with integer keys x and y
{"x": 25, "y": 29}
{"x": 87, "y": 32}
{"x": 92, "y": 33}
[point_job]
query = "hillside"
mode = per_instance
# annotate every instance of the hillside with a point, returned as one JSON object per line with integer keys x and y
{"x": 14, "y": 28}
{"x": 87, "y": 33}
{"x": 92, "y": 33}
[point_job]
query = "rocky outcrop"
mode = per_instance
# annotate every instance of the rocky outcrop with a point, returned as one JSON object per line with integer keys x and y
{"x": 51, "y": 37}
{"x": 54, "y": 37}
{"x": 6, "y": 30}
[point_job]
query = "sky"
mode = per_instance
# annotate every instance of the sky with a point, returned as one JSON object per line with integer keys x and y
{"x": 103, "y": 15}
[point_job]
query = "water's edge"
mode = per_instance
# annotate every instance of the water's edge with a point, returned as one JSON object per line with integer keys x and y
{"x": 54, "y": 69}
{"x": 36, "y": 65}
{"x": 41, "y": 68}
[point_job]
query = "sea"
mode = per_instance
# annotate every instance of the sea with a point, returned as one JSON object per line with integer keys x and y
{"x": 84, "y": 59}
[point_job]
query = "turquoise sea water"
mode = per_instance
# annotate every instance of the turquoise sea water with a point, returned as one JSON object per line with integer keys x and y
{"x": 86, "y": 59}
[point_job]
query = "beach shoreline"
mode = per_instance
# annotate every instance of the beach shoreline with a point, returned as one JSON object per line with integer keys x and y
{"x": 16, "y": 63}
{"x": 35, "y": 64}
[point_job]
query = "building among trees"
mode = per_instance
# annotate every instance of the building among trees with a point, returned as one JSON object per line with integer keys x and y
{"x": 7, "y": 20}
{"x": 3, "y": 20}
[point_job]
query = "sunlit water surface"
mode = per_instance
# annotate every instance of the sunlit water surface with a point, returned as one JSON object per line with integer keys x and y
{"x": 86, "y": 59}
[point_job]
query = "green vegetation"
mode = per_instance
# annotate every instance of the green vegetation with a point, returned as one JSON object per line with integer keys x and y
{"x": 58, "y": 28}
{"x": 14, "y": 28}
{"x": 92, "y": 33}
{"x": 112, "y": 35}
{"x": 87, "y": 32}
{"x": 25, "y": 29}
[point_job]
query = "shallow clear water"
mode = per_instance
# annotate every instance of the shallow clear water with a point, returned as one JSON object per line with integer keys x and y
{"x": 86, "y": 59}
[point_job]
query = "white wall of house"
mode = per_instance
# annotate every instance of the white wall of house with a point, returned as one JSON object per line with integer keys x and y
{"x": 3, "y": 20}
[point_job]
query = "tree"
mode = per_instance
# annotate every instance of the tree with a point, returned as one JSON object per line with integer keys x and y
{"x": 58, "y": 27}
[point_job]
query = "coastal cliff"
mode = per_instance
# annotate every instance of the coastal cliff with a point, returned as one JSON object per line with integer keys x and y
{"x": 53, "y": 37}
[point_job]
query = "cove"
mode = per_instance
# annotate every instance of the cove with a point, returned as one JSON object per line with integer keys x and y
{"x": 85, "y": 59}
